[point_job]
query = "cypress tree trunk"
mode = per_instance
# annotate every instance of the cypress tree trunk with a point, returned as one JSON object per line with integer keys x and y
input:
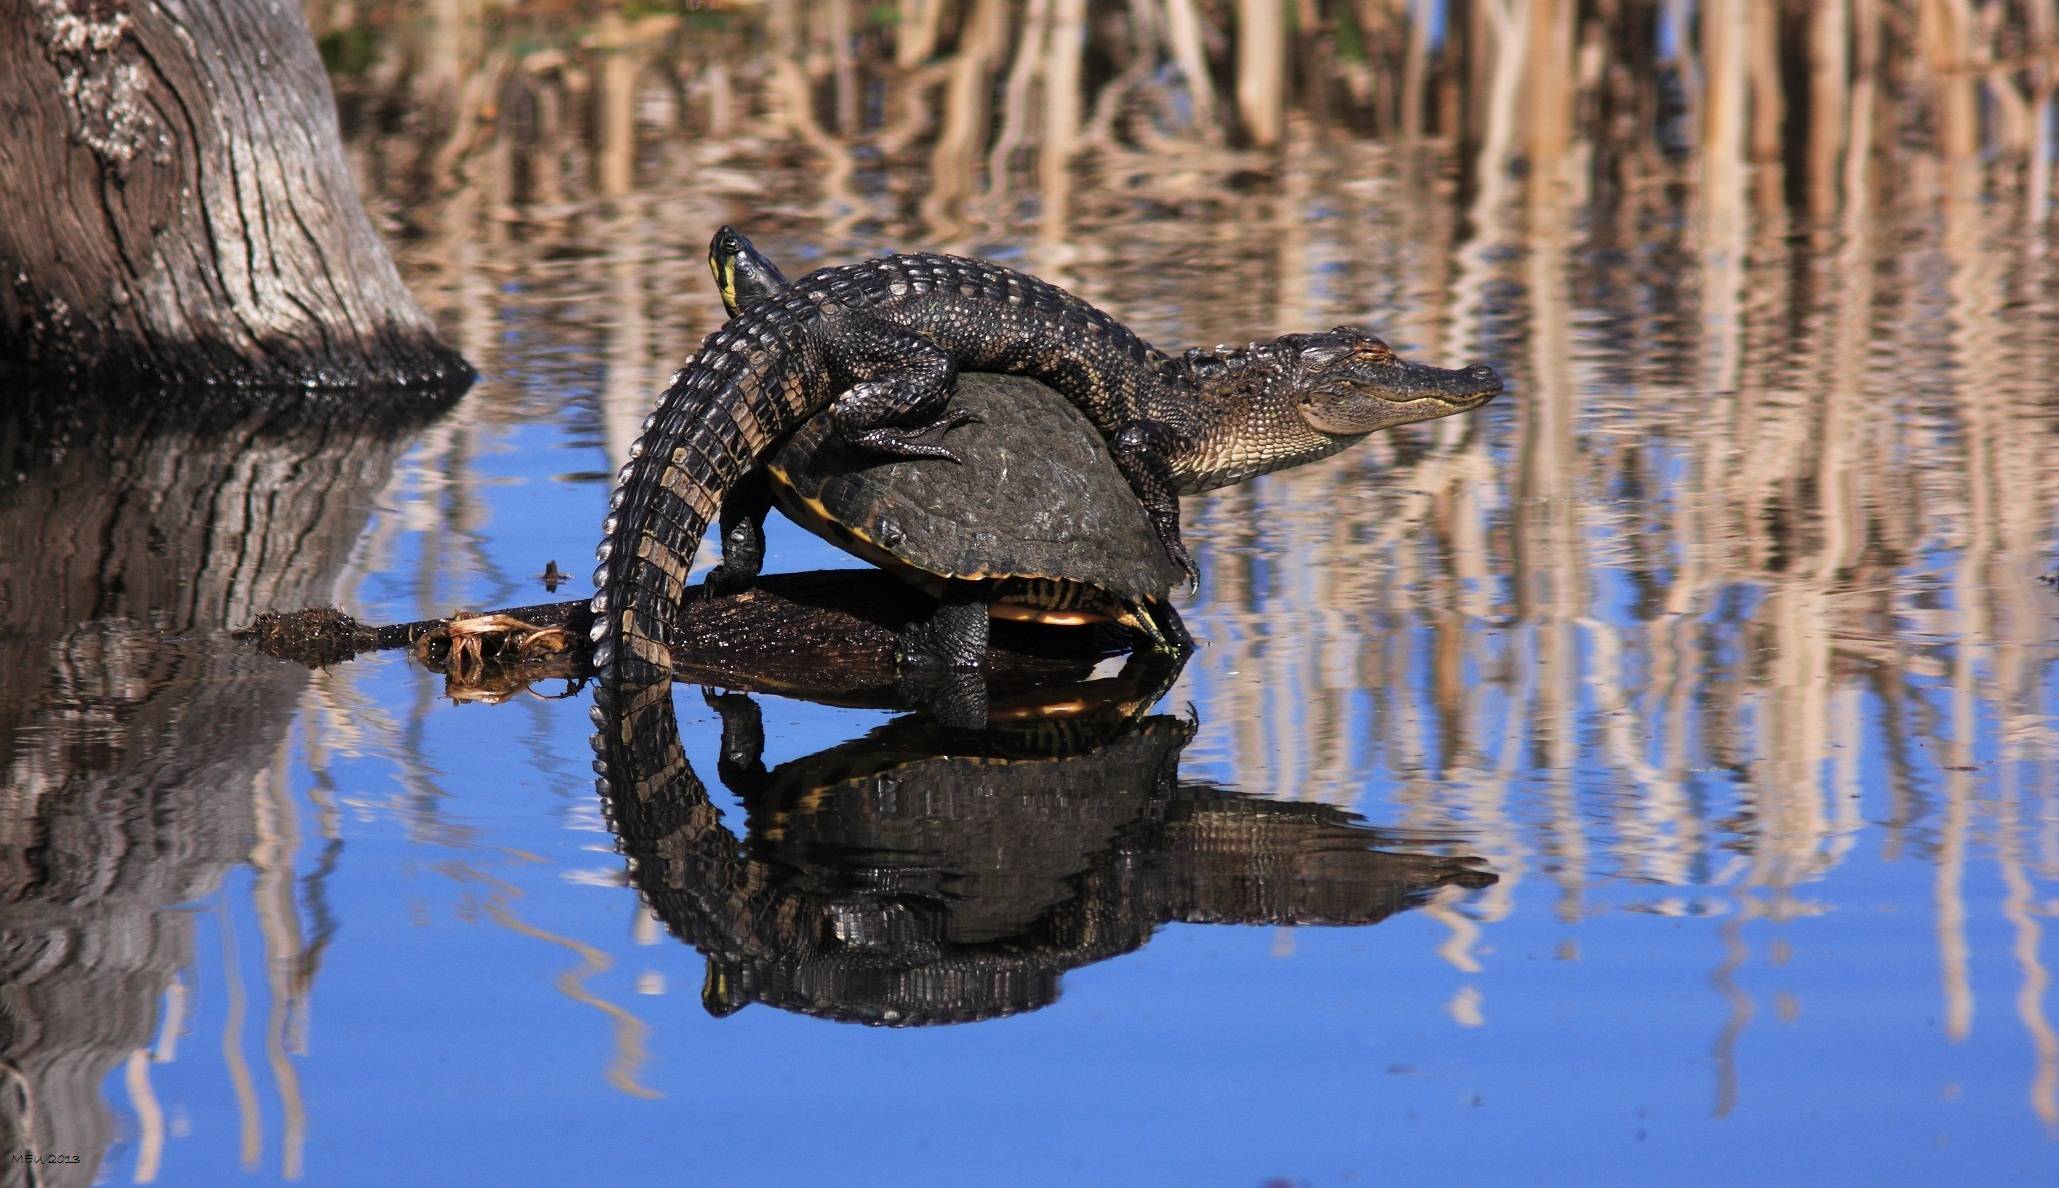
{"x": 174, "y": 205}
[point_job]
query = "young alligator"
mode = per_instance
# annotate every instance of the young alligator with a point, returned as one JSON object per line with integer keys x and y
{"x": 1072, "y": 547}
{"x": 880, "y": 342}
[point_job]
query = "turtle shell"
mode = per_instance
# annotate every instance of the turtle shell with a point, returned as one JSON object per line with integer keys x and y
{"x": 1035, "y": 495}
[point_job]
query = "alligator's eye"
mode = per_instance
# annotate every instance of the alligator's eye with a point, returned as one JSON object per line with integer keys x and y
{"x": 1325, "y": 354}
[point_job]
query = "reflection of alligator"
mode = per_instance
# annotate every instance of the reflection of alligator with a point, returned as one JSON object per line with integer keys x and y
{"x": 927, "y": 875}
{"x": 879, "y": 343}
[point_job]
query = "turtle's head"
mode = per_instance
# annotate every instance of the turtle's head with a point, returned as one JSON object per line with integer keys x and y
{"x": 1349, "y": 383}
{"x": 742, "y": 273}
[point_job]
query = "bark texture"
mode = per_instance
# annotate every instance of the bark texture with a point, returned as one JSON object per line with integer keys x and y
{"x": 177, "y": 207}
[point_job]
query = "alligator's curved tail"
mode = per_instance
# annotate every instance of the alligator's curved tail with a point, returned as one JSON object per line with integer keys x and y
{"x": 744, "y": 390}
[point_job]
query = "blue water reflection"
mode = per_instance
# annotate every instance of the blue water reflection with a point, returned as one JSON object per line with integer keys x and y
{"x": 1727, "y": 641}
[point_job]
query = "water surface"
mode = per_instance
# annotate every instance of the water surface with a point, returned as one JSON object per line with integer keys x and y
{"x": 1727, "y": 640}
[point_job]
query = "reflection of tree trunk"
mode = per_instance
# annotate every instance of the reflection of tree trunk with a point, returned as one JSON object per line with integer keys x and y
{"x": 134, "y": 739}
{"x": 178, "y": 205}
{"x": 1261, "y": 68}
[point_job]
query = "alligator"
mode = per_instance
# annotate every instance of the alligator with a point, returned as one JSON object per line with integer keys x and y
{"x": 1073, "y": 548}
{"x": 879, "y": 344}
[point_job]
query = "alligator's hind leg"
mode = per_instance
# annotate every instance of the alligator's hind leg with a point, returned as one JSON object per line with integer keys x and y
{"x": 743, "y": 534}
{"x": 1140, "y": 450}
{"x": 904, "y": 393}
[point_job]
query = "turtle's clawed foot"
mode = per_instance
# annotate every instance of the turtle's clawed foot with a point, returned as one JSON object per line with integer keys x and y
{"x": 724, "y": 580}
{"x": 743, "y": 537}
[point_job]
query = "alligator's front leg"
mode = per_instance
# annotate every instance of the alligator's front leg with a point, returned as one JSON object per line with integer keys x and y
{"x": 903, "y": 393}
{"x": 1140, "y": 450}
{"x": 743, "y": 534}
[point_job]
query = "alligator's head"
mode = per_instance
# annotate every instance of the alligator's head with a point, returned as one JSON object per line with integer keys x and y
{"x": 1302, "y": 397}
{"x": 1350, "y": 384}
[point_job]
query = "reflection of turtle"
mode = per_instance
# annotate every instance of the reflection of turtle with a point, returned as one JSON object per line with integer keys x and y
{"x": 1035, "y": 521}
{"x": 923, "y": 875}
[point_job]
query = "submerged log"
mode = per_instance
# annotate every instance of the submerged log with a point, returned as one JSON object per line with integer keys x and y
{"x": 178, "y": 209}
{"x": 827, "y": 635}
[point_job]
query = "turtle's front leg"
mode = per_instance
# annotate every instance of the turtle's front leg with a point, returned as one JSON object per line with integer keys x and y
{"x": 743, "y": 535}
{"x": 903, "y": 393}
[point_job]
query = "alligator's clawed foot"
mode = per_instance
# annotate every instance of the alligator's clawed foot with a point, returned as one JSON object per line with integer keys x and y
{"x": 1166, "y": 523}
{"x": 1177, "y": 550}
{"x": 910, "y": 442}
{"x": 896, "y": 443}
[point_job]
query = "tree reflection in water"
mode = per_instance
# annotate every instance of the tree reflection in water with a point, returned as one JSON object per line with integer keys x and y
{"x": 141, "y": 751}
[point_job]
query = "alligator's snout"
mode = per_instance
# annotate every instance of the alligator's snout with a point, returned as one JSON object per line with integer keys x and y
{"x": 1462, "y": 387}
{"x": 1477, "y": 384}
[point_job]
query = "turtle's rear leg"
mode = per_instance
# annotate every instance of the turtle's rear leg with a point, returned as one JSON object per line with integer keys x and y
{"x": 953, "y": 636}
{"x": 953, "y": 697}
{"x": 943, "y": 658}
{"x": 742, "y": 760}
